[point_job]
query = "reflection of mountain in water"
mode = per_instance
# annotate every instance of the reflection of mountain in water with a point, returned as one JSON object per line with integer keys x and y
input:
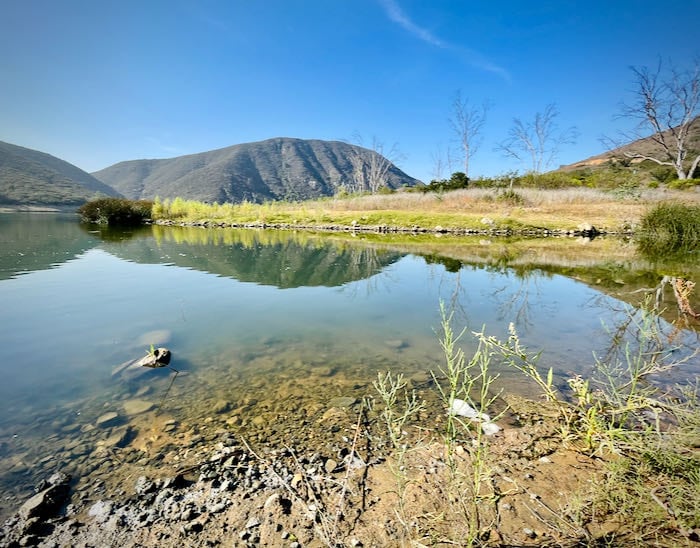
{"x": 38, "y": 241}
{"x": 282, "y": 259}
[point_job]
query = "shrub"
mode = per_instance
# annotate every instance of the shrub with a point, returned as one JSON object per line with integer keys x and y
{"x": 683, "y": 184}
{"x": 511, "y": 197}
{"x": 115, "y": 211}
{"x": 455, "y": 182}
{"x": 670, "y": 228}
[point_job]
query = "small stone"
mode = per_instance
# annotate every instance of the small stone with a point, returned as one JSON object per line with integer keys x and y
{"x": 330, "y": 466}
{"x": 529, "y": 532}
{"x": 145, "y": 389}
{"x": 101, "y": 511}
{"x": 144, "y": 486}
{"x": 119, "y": 438}
{"x": 218, "y": 507}
{"x": 221, "y": 406}
{"x": 108, "y": 419}
{"x": 272, "y": 500}
{"x": 323, "y": 371}
{"x": 252, "y": 523}
{"x": 136, "y": 406}
{"x": 342, "y": 401}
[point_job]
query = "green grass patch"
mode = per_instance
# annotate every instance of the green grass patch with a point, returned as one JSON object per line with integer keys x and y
{"x": 670, "y": 228}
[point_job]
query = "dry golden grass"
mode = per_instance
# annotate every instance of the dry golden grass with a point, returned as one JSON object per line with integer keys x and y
{"x": 563, "y": 209}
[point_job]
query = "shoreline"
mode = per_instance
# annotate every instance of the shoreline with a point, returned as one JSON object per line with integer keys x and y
{"x": 587, "y": 231}
{"x": 280, "y": 495}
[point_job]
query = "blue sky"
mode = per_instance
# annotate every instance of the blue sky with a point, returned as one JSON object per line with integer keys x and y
{"x": 98, "y": 82}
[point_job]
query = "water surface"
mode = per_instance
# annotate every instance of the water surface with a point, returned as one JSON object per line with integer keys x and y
{"x": 255, "y": 320}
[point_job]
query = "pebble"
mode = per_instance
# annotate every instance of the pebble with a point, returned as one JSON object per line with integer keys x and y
{"x": 118, "y": 438}
{"x": 330, "y": 466}
{"x": 136, "y": 406}
{"x": 342, "y": 401}
{"x": 252, "y": 523}
{"x": 221, "y": 406}
{"x": 107, "y": 419}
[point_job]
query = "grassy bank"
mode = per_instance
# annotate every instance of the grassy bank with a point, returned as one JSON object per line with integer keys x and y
{"x": 644, "y": 488}
{"x": 521, "y": 210}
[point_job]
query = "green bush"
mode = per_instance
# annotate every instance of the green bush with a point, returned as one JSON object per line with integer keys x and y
{"x": 115, "y": 211}
{"x": 683, "y": 184}
{"x": 511, "y": 197}
{"x": 456, "y": 181}
{"x": 670, "y": 228}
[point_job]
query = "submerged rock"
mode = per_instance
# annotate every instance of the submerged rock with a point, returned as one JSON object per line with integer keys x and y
{"x": 156, "y": 337}
{"x": 136, "y": 406}
{"x": 47, "y": 501}
{"x": 107, "y": 419}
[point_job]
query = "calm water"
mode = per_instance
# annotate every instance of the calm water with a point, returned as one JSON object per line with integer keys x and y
{"x": 244, "y": 313}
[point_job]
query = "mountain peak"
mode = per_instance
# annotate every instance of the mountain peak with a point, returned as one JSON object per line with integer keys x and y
{"x": 273, "y": 169}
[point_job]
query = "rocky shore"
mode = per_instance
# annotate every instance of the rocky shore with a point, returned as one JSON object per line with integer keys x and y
{"x": 239, "y": 495}
{"x": 584, "y": 230}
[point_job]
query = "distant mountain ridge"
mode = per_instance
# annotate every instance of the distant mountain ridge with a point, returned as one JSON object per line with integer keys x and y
{"x": 30, "y": 177}
{"x": 274, "y": 169}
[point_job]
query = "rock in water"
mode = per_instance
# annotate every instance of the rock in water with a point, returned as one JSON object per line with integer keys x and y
{"x": 108, "y": 419}
{"x": 46, "y": 502}
{"x": 156, "y": 337}
{"x": 136, "y": 407}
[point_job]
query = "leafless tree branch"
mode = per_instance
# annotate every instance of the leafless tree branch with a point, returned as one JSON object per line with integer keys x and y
{"x": 666, "y": 104}
{"x": 537, "y": 141}
{"x": 467, "y": 122}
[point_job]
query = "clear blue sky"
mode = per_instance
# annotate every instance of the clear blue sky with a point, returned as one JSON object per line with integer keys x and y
{"x": 95, "y": 82}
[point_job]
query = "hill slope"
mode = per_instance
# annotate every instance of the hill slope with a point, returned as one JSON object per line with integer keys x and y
{"x": 647, "y": 146}
{"x": 279, "y": 168}
{"x": 30, "y": 177}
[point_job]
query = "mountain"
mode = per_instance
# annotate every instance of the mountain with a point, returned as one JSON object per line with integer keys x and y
{"x": 646, "y": 146}
{"x": 30, "y": 177}
{"x": 275, "y": 169}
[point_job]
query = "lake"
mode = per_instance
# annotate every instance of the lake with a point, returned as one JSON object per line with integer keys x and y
{"x": 268, "y": 329}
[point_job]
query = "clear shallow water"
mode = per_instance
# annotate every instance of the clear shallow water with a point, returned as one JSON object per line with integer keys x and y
{"x": 247, "y": 315}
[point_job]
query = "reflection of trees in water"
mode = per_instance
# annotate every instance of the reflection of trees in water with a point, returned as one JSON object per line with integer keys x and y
{"x": 643, "y": 346}
{"x": 368, "y": 259}
{"x": 515, "y": 299}
{"x": 682, "y": 290}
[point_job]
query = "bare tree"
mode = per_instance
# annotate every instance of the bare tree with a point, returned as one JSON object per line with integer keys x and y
{"x": 667, "y": 105}
{"x": 439, "y": 163}
{"x": 467, "y": 121}
{"x": 537, "y": 142}
{"x": 371, "y": 165}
